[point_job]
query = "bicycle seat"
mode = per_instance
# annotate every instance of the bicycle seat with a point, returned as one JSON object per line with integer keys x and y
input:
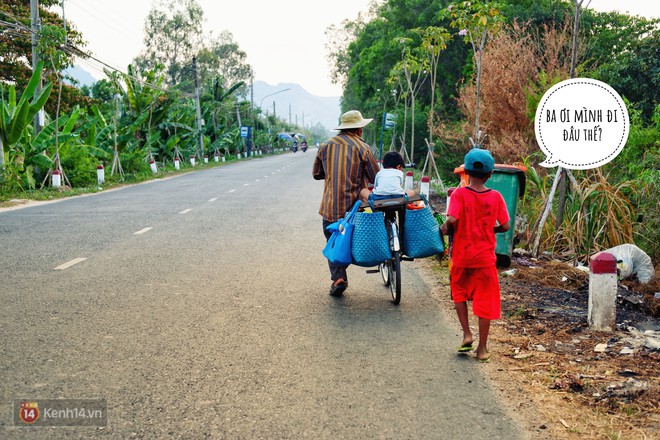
{"x": 383, "y": 203}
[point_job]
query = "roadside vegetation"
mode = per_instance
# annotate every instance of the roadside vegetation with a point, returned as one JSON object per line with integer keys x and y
{"x": 449, "y": 74}
{"x": 146, "y": 114}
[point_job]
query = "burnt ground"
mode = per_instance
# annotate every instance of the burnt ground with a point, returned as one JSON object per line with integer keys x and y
{"x": 607, "y": 384}
{"x": 558, "y": 378}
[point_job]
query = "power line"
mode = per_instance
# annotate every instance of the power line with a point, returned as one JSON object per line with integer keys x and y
{"x": 103, "y": 18}
{"x": 84, "y": 56}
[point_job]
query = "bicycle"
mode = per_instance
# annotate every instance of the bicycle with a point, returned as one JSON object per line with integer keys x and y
{"x": 394, "y": 209}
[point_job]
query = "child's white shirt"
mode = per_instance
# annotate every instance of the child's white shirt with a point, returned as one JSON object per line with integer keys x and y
{"x": 389, "y": 181}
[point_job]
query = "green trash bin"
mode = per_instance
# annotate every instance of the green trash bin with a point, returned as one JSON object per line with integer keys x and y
{"x": 509, "y": 180}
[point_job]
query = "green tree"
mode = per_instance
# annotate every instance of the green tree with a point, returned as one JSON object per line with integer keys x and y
{"x": 16, "y": 38}
{"x": 222, "y": 60}
{"x": 173, "y": 34}
{"x": 476, "y": 21}
{"x": 103, "y": 90}
{"x": 624, "y": 52}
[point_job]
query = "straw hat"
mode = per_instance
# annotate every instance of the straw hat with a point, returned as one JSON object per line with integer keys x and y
{"x": 352, "y": 119}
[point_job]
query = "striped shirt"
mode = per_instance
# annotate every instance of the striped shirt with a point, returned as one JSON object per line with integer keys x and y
{"x": 344, "y": 162}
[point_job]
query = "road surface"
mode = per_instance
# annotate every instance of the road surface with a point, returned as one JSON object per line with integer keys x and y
{"x": 198, "y": 307}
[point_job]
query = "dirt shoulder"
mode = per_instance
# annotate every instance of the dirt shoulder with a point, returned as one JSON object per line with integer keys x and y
{"x": 558, "y": 379}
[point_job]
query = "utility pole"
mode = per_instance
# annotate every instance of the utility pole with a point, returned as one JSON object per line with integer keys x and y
{"x": 35, "y": 27}
{"x": 200, "y": 123}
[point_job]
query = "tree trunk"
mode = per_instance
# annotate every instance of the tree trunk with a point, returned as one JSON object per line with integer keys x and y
{"x": 2, "y": 156}
{"x": 476, "y": 109}
{"x": 546, "y": 211}
{"x": 576, "y": 26}
{"x": 412, "y": 128}
{"x": 561, "y": 202}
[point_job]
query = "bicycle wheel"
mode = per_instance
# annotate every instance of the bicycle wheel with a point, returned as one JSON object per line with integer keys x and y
{"x": 395, "y": 277}
{"x": 384, "y": 269}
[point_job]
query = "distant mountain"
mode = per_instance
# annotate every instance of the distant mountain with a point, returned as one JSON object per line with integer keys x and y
{"x": 79, "y": 74}
{"x": 292, "y": 104}
{"x": 296, "y": 105}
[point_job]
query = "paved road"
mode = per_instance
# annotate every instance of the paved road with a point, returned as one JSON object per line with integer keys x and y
{"x": 216, "y": 322}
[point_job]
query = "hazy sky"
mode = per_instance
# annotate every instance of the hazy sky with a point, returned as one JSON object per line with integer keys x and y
{"x": 284, "y": 40}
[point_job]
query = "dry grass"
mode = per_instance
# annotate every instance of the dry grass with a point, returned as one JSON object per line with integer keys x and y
{"x": 519, "y": 64}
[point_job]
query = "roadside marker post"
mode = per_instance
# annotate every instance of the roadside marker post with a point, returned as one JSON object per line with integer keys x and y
{"x": 425, "y": 186}
{"x": 56, "y": 179}
{"x": 408, "y": 182}
{"x": 601, "y": 312}
{"x": 100, "y": 175}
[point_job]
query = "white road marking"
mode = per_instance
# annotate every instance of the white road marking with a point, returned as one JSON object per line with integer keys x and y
{"x": 232, "y": 190}
{"x": 246, "y": 184}
{"x": 142, "y": 231}
{"x": 185, "y": 211}
{"x": 213, "y": 199}
{"x": 257, "y": 180}
{"x": 69, "y": 264}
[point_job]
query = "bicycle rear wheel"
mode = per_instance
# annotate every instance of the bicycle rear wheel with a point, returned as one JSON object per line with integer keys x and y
{"x": 395, "y": 276}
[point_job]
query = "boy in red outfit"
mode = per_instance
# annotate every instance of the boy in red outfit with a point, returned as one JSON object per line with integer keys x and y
{"x": 475, "y": 214}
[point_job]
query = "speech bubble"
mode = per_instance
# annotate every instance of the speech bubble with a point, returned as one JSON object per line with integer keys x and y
{"x": 581, "y": 123}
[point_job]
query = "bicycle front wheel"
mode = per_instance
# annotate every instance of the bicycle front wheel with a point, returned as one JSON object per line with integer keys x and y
{"x": 384, "y": 269}
{"x": 395, "y": 277}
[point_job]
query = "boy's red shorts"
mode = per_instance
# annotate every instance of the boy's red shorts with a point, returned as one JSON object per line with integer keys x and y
{"x": 479, "y": 285}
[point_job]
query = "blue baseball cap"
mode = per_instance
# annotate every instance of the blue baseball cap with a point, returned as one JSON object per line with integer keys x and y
{"x": 480, "y": 160}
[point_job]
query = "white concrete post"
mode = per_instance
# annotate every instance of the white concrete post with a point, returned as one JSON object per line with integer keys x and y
{"x": 177, "y": 163}
{"x": 56, "y": 181}
{"x": 216, "y": 158}
{"x": 206, "y": 158}
{"x": 408, "y": 182}
{"x": 192, "y": 160}
{"x": 100, "y": 175}
{"x": 601, "y": 312}
{"x": 449, "y": 193}
{"x": 223, "y": 158}
{"x": 425, "y": 186}
{"x": 152, "y": 164}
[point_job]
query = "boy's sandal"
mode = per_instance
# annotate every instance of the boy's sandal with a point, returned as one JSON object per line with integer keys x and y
{"x": 465, "y": 348}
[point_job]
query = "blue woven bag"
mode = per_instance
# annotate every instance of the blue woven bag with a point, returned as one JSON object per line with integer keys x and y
{"x": 338, "y": 247}
{"x": 370, "y": 245}
{"x": 422, "y": 237}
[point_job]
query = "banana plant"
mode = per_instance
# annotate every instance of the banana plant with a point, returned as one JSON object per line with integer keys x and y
{"x": 146, "y": 104}
{"x": 15, "y": 117}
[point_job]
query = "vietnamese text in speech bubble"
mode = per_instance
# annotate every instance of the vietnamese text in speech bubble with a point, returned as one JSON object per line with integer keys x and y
{"x": 581, "y": 123}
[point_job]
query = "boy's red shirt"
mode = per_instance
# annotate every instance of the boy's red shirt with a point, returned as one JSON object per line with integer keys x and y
{"x": 474, "y": 235}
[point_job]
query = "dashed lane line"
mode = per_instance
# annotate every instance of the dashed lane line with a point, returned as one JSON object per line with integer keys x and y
{"x": 142, "y": 231}
{"x": 69, "y": 263}
{"x": 213, "y": 199}
{"x": 185, "y": 211}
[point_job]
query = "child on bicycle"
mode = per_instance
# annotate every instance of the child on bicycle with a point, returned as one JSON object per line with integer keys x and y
{"x": 475, "y": 214}
{"x": 389, "y": 180}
